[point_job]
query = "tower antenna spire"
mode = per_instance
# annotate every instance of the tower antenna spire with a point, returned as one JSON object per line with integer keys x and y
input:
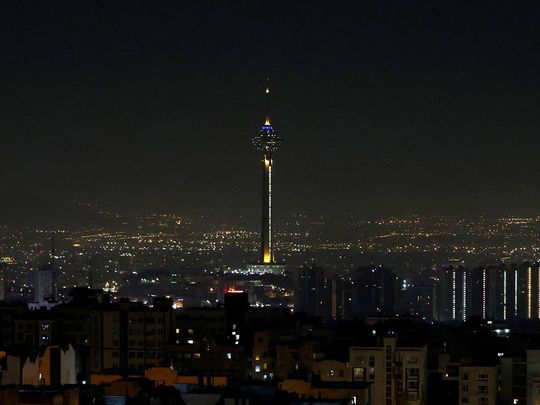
{"x": 267, "y": 92}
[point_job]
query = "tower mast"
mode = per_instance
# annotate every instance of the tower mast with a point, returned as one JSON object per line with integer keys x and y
{"x": 267, "y": 92}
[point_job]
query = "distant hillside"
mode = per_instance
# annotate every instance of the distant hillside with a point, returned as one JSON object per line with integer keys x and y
{"x": 20, "y": 209}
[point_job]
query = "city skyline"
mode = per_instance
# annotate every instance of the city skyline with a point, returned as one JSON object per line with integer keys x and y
{"x": 151, "y": 101}
{"x": 153, "y": 253}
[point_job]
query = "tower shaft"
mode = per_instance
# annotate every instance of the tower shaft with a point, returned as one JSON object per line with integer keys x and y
{"x": 267, "y": 252}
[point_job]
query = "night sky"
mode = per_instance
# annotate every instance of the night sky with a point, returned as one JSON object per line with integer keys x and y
{"x": 385, "y": 108}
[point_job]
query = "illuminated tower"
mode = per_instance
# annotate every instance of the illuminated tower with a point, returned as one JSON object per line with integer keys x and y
{"x": 267, "y": 142}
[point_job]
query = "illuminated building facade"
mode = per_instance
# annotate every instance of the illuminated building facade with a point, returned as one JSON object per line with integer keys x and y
{"x": 266, "y": 142}
{"x": 529, "y": 286}
{"x": 455, "y": 285}
{"x": 499, "y": 292}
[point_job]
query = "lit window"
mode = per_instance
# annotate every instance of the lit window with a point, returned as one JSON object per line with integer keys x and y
{"x": 358, "y": 372}
{"x": 482, "y": 377}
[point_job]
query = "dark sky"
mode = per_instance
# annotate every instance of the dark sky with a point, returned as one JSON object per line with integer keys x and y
{"x": 385, "y": 107}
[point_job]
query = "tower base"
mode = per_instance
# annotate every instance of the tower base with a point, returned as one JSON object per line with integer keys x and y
{"x": 276, "y": 269}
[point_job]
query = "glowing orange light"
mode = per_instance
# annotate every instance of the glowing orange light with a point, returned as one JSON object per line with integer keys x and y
{"x": 233, "y": 291}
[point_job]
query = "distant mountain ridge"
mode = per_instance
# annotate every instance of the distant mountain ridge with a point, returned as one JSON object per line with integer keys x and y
{"x": 25, "y": 209}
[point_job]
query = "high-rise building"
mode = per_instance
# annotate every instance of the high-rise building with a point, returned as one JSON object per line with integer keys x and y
{"x": 312, "y": 292}
{"x": 418, "y": 300}
{"x": 46, "y": 287}
{"x": 266, "y": 142}
{"x": 2, "y": 275}
{"x": 46, "y": 284}
{"x": 128, "y": 336}
{"x": 529, "y": 280}
{"x": 398, "y": 374}
{"x": 370, "y": 291}
{"x": 513, "y": 376}
{"x": 498, "y": 292}
{"x": 8, "y": 266}
{"x": 236, "y": 306}
{"x": 454, "y": 301}
{"x": 480, "y": 292}
{"x": 478, "y": 385}
{"x": 318, "y": 294}
{"x": 488, "y": 292}
{"x": 533, "y": 377}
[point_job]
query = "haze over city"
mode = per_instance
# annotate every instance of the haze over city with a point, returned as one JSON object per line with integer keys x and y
{"x": 385, "y": 109}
